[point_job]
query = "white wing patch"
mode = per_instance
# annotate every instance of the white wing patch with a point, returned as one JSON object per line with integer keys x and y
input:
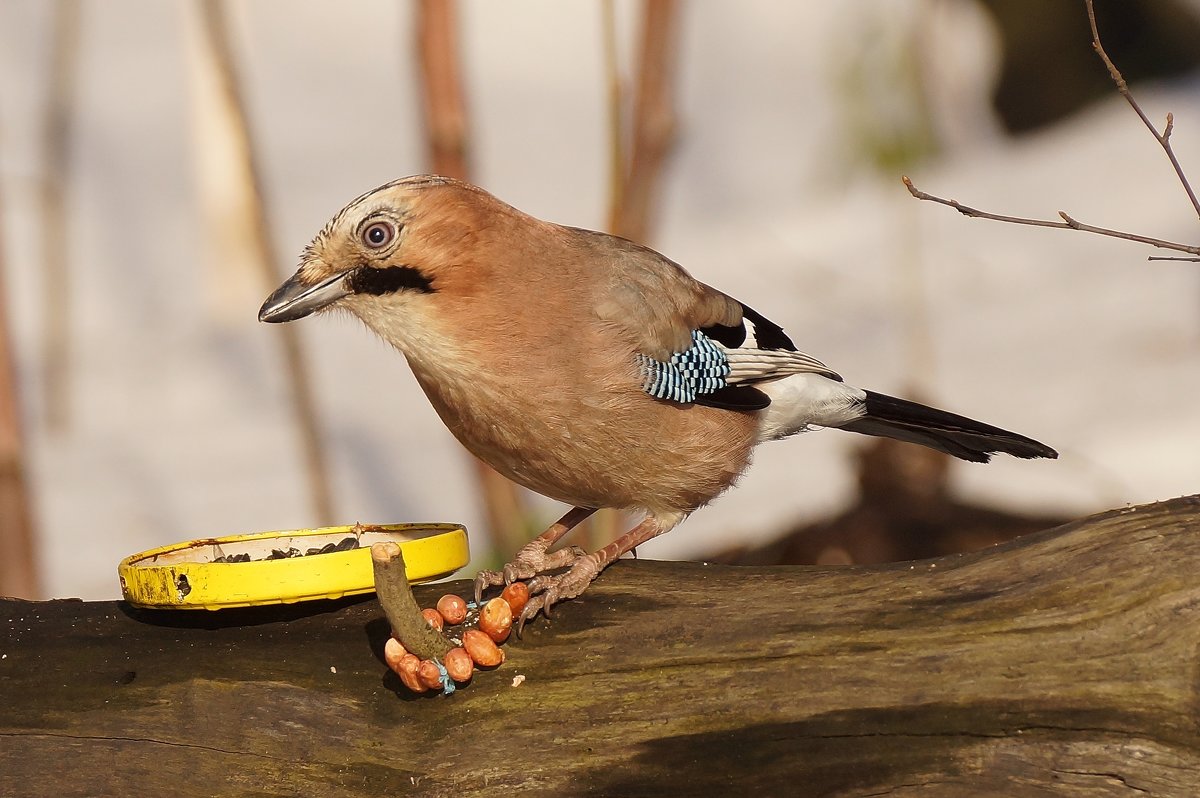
{"x": 751, "y": 365}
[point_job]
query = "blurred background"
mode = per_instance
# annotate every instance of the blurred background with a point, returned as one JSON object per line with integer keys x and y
{"x": 163, "y": 164}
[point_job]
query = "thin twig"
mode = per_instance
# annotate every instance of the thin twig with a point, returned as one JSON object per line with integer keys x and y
{"x": 616, "y": 114}
{"x": 653, "y": 120}
{"x": 445, "y": 117}
{"x": 599, "y": 529}
{"x": 445, "y": 112}
{"x": 18, "y": 547}
{"x": 635, "y": 170}
{"x": 1067, "y": 223}
{"x": 216, "y": 36}
{"x": 1164, "y": 138}
{"x": 401, "y": 608}
{"x": 56, "y": 222}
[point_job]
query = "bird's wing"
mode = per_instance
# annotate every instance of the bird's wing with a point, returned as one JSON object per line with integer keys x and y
{"x": 694, "y": 343}
{"x": 758, "y": 350}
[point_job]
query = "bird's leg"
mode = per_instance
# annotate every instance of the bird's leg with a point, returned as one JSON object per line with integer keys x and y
{"x": 552, "y": 589}
{"x": 531, "y": 559}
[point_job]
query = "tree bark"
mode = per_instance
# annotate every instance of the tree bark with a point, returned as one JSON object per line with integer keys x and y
{"x": 1064, "y": 663}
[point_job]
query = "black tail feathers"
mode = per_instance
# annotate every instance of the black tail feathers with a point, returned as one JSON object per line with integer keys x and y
{"x": 962, "y": 437}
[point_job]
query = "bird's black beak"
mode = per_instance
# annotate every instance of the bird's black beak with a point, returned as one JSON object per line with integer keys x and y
{"x": 295, "y": 299}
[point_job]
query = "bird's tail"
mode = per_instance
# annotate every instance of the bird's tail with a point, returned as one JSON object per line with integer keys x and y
{"x": 962, "y": 437}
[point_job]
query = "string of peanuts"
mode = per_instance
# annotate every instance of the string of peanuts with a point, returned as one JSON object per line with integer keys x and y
{"x": 421, "y": 650}
{"x": 478, "y": 646}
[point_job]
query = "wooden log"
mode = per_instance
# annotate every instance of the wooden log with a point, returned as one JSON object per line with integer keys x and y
{"x": 1065, "y": 663}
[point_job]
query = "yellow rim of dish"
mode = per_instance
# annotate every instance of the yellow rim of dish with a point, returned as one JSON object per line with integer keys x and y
{"x": 183, "y": 575}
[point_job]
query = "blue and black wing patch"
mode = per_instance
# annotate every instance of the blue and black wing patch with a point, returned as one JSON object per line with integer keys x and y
{"x": 724, "y": 362}
{"x": 699, "y": 369}
{"x": 698, "y": 375}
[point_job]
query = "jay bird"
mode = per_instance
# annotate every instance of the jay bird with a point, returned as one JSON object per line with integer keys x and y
{"x": 583, "y": 366}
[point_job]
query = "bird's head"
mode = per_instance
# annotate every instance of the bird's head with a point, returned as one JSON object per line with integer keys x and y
{"x": 383, "y": 254}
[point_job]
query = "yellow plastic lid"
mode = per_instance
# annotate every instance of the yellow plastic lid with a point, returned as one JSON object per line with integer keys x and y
{"x": 285, "y": 567}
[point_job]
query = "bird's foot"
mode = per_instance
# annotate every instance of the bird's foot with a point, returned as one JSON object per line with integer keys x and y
{"x": 546, "y": 590}
{"x": 532, "y": 559}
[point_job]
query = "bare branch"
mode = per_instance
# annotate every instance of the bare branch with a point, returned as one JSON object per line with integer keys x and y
{"x": 616, "y": 116}
{"x": 18, "y": 535}
{"x": 442, "y": 88}
{"x": 635, "y": 173}
{"x": 1164, "y": 138}
{"x": 653, "y": 119}
{"x": 56, "y": 221}
{"x": 221, "y": 61}
{"x": 1067, "y": 223}
{"x": 446, "y": 133}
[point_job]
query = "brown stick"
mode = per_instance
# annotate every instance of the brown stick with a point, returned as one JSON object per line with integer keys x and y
{"x": 18, "y": 560}
{"x": 56, "y": 223}
{"x": 1068, "y": 223}
{"x": 634, "y": 185}
{"x": 444, "y": 107}
{"x": 445, "y": 117}
{"x": 603, "y": 526}
{"x": 401, "y": 609}
{"x": 653, "y": 121}
{"x": 616, "y": 115}
{"x": 300, "y": 389}
{"x": 1164, "y": 138}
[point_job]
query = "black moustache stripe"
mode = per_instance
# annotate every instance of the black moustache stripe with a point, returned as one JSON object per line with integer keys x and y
{"x": 388, "y": 280}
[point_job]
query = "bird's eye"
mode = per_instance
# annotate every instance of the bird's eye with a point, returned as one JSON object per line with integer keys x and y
{"x": 378, "y": 234}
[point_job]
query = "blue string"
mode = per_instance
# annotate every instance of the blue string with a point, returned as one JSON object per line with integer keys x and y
{"x": 447, "y": 683}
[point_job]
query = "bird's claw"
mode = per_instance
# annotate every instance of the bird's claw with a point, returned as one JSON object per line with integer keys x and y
{"x": 539, "y": 603}
{"x": 485, "y": 579}
{"x": 532, "y": 607}
{"x": 546, "y": 590}
{"x": 530, "y": 561}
